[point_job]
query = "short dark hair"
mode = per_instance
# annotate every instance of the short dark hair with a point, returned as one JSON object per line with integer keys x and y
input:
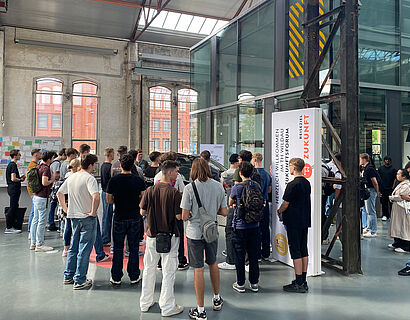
{"x": 246, "y": 169}
{"x": 133, "y": 154}
{"x": 407, "y": 167}
{"x": 234, "y": 158}
{"x": 245, "y": 155}
{"x": 139, "y": 150}
{"x": 387, "y": 158}
{"x": 154, "y": 155}
{"x": 87, "y": 160}
{"x": 14, "y": 153}
{"x": 405, "y": 173}
{"x": 34, "y": 151}
{"x": 84, "y": 148}
{"x": 168, "y": 165}
{"x": 55, "y": 155}
{"x": 169, "y": 156}
{"x": 62, "y": 152}
{"x": 48, "y": 155}
{"x": 206, "y": 155}
{"x": 71, "y": 151}
{"x": 338, "y": 156}
{"x": 122, "y": 150}
{"x": 126, "y": 161}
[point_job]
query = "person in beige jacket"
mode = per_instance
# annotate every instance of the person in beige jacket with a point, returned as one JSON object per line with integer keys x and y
{"x": 400, "y": 219}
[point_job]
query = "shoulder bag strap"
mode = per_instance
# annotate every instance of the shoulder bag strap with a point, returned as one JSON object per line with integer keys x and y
{"x": 196, "y": 195}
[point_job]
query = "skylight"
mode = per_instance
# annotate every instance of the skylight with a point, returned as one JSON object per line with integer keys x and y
{"x": 182, "y": 22}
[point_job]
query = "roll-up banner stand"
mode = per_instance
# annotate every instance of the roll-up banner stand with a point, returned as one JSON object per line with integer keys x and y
{"x": 297, "y": 134}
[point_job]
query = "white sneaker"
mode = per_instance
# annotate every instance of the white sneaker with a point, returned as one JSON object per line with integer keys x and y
{"x": 254, "y": 287}
{"x": 384, "y": 218}
{"x": 247, "y": 268}
{"x": 326, "y": 241}
{"x": 43, "y": 248}
{"x": 368, "y": 234}
{"x": 146, "y": 309}
{"x": 391, "y": 246}
{"x": 32, "y": 246}
{"x": 12, "y": 231}
{"x": 400, "y": 250}
{"x": 29, "y": 236}
{"x": 226, "y": 266}
{"x": 177, "y": 310}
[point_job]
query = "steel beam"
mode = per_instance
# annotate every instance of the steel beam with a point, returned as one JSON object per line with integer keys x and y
{"x": 349, "y": 105}
{"x": 240, "y": 9}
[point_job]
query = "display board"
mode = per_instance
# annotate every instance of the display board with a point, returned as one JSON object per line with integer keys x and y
{"x": 25, "y": 145}
{"x": 297, "y": 134}
{"x": 216, "y": 151}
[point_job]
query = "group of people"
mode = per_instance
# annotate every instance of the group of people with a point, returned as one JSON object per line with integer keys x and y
{"x": 391, "y": 186}
{"x": 151, "y": 199}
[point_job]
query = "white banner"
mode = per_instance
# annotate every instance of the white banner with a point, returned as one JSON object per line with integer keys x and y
{"x": 217, "y": 151}
{"x": 297, "y": 134}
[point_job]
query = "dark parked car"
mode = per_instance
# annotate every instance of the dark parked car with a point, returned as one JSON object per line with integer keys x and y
{"x": 185, "y": 162}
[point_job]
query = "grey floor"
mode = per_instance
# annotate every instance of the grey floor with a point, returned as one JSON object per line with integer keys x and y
{"x": 31, "y": 288}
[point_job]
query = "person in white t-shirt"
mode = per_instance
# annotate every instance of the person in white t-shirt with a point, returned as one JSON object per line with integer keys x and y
{"x": 83, "y": 200}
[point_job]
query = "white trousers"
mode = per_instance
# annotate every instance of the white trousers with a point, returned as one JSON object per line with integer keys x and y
{"x": 169, "y": 262}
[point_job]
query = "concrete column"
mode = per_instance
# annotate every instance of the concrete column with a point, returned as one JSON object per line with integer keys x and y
{"x": 2, "y": 75}
{"x": 145, "y": 138}
{"x": 67, "y": 110}
{"x": 134, "y": 106}
{"x": 174, "y": 119}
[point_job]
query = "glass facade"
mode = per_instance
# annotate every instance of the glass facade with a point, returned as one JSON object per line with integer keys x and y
{"x": 244, "y": 58}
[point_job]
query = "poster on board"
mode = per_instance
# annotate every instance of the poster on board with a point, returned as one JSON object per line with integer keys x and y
{"x": 297, "y": 134}
{"x": 217, "y": 151}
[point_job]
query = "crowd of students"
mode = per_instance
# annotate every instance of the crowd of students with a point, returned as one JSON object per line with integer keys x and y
{"x": 141, "y": 200}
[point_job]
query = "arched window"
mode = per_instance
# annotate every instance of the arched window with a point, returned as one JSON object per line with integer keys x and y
{"x": 187, "y": 99}
{"x": 160, "y": 119}
{"x": 84, "y": 114}
{"x": 48, "y": 122}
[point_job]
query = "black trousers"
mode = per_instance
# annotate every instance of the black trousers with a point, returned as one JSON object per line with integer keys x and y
{"x": 386, "y": 204}
{"x": 181, "y": 248}
{"x": 246, "y": 242}
{"x": 230, "y": 253}
{"x": 324, "y": 200}
{"x": 131, "y": 229}
{"x": 265, "y": 233}
{"x": 11, "y": 216}
{"x": 400, "y": 243}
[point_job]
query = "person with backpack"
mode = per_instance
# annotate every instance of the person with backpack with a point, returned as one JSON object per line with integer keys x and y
{"x": 266, "y": 187}
{"x": 371, "y": 177}
{"x": 228, "y": 183}
{"x": 36, "y": 157}
{"x": 202, "y": 200}
{"x": 245, "y": 155}
{"x": 247, "y": 200}
{"x": 161, "y": 205}
{"x": 55, "y": 169}
{"x": 14, "y": 191}
{"x": 38, "y": 225}
{"x": 295, "y": 212}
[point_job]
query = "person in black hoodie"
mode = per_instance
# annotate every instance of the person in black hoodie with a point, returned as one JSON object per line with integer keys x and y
{"x": 388, "y": 177}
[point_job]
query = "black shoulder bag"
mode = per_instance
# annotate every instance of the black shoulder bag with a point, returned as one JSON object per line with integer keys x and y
{"x": 162, "y": 239}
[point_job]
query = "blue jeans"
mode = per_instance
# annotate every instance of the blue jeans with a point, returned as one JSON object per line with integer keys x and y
{"x": 370, "y": 205}
{"x": 38, "y": 225}
{"x": 329, "y": 203}
{"x": 98, "y": 245}
{"x": 68, "y": 231}
{"x": 107, "y": 219}
{"x": 364, "y": 217}
{"x": 30, "y": 217}
{"x": 131, "y": 229}
{"x": 53, "y": 206}
{"x": 78, "y": 256}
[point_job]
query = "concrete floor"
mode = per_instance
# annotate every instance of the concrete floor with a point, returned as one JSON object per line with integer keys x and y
{"x": 31, "y": 288}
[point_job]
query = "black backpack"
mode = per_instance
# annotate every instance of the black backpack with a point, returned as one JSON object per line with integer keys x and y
{"x": 252, "y": 203}
{"x": 328, "y": 186}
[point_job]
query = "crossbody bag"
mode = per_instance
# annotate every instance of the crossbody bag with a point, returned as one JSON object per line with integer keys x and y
{"x": 162, "y": 239}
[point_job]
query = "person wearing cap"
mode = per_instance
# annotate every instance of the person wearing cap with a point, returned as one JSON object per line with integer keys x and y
{"x": 388, "y": 176}
{"x": 228, "y": 183}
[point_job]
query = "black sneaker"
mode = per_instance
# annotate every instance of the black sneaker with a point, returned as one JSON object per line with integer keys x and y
{"x": 294, "y": 287}
{"x": 194, "y": 314}
{"x": 405, "y": 271}
{"x": 305, "y": 285}
{"x": 217, "y": 303}
{"x": 183, "y": 266}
